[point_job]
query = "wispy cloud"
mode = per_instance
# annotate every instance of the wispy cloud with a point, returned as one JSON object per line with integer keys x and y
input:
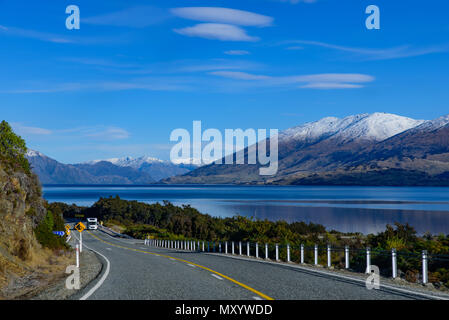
{"x": 217, "y": 31}
{"x": 224, "y": 16}
{"x": 237, "y": 52}
{"x": 146, "y": 84}
{"x": 62, "y": 39}
{"x": 27, "y": 130}
{"x": 135, "y": 17}
{"x": 97, "y": 133}
{"x": 378, "y": 54}
{"x": 106, "y": 133}
{"x": 312, "y": 81}
{"x": 25, "y": 33}
{"x": 239, "y": 75}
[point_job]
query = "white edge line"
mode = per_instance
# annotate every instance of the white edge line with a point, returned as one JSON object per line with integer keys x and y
{"x": 103, "y": 278}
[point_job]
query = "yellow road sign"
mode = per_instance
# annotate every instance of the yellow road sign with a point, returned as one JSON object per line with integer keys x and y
{"x": 80, "y": 226}
{"x": 67, "y": 227}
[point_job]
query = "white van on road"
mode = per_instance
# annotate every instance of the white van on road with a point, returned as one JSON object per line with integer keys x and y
{"x": 92, "y": 223}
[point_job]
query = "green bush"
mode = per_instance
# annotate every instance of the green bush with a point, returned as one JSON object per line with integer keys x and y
{"x": 44, "y": 231}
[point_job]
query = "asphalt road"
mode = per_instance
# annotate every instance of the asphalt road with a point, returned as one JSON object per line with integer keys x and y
{"x": 141, "y": 272}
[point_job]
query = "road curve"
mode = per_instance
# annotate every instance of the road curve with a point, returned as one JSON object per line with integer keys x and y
{"x": 140, "y": 272}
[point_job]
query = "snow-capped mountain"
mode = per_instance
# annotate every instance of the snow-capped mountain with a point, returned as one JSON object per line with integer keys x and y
{"x": 372, "y": 127}
{"x": 127, "y": 170}
{"x": 130, "y": 161}
{"x": 378, "y": 148}
{"x": 51, "y": 171}
{"x": 434, "y": 124}
{"x": 157, "y": 168}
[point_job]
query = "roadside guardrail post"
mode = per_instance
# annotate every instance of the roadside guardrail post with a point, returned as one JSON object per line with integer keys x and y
{"x": 219, "y": 247}
{"x": 277, "y": 252}
{"x": 247, "y": 248}
{"x": 81, "y": 242}
{"x": 77, "y": 256}
{"x": 394, "y": 263}
{"x": 203, "y": 246}
{"x": 346, "y": 257}
{"x": 288, "y": 252}
{"x": 368, "y": 260}
{"x": 425, "y": 278}
{"x": 240, "y": 247}
{"x": 316, "y": 254}
{"x": 329, "y": 257}
{"x": 302, "y": 253}
{"x": 266, "y": 251}
{"x": 226, "y": 247}
{"x": 198, "y": 245}
{"x": 257, "y": 250}
{"x": 232, "y": 247}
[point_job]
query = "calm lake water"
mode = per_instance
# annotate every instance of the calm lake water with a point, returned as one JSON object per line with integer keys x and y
{"x": 347, "y": 209}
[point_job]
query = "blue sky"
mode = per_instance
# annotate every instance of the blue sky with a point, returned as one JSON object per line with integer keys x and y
{"x": 136, "y": 70}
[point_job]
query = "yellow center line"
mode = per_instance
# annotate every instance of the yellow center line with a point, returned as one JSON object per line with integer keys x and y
{"x": 185, "y": 261}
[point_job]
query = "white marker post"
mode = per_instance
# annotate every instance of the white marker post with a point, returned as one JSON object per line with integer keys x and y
{"x": 277, "y": 252}
{"x": 288, "y": 252}
{"x": 425, "y": 277}
{"x": 77, "y": 256}
{"x": 81, "y": 242}
{"x": 368, "y": 260}
{"x": 266, "y": 251}
{"x": 346, "y": 257}
{"x": 316, "y": 254}
{"x": 302, "y": 253}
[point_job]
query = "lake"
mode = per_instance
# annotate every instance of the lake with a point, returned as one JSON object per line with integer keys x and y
{"x": 346, "y": 209}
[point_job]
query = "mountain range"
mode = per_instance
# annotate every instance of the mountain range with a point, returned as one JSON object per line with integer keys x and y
{"x": 365, "y": 149}
{"x": 143, "y": 170}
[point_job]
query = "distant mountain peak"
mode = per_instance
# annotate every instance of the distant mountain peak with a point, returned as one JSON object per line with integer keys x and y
{"x": 129, "y": 161}
{"x": 434, "y": 124}
{"x": 33, "y": 153}
{"x": 373, "y": 127}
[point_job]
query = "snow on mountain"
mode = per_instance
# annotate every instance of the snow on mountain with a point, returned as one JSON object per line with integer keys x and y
{"x": 372, "y": 127}
{"x": 33, "y": 153}
{"x": 130, "y": 162}
{"x": 434, "y": 124}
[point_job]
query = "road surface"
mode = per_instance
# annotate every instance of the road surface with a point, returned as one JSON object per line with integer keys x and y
{"x": 138, "y": 272}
